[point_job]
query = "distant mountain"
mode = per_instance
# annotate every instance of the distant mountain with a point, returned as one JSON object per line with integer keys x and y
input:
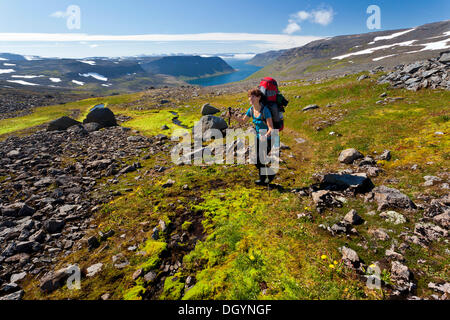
{"x": 266, "y": 58}
{"x": 354, "y": 53}
{"x": 125, "y": 74}
{"x": 187, "y": 66}
{"x": 10, "y": 56}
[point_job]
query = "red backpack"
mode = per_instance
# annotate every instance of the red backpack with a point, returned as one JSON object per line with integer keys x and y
{"x": 269, "y": 88}
{"x": 274, "y": 101}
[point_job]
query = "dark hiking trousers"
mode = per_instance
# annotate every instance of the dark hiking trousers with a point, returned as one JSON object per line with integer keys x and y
{"x": 263, "y": 175}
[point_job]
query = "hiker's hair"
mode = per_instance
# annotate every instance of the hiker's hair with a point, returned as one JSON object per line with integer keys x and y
{"x": 255, "y": 92}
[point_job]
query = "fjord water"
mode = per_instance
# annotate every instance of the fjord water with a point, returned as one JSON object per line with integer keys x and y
{"x": 243, "y": 71}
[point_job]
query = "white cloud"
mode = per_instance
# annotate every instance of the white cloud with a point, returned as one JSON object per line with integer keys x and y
{"x": 292, "y": 27}
{"x": 303, "y": 15}
{"x": 275, "y": 39}
{"x": 321, "y": 16}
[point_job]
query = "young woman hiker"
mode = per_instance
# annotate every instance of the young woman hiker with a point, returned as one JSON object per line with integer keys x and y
{"x": 262, "y": 118}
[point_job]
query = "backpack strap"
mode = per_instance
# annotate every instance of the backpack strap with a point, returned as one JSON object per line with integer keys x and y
{"x": 262, "y": 113}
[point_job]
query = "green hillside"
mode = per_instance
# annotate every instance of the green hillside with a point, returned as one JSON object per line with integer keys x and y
{"x": 251, "y": 242}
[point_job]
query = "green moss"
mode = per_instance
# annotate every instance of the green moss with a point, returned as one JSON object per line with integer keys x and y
{"x": 154, "y": 248}
{"x": 186, "y": 226}
{"x": 173, "y": 288}
{"x": 134, "y": 293}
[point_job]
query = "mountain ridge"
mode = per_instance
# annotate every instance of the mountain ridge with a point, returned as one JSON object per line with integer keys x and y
{"x": 355, "y": 53}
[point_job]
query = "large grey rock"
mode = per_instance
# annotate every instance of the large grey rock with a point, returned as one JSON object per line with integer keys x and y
{"x": 443, "y": 219}
{"x": 390, "y": 198}
{"x": 54, "y": 280}
{"x": 400, "y": 273}
{"x": 392, "y": 255}
{"x": 350, "y": 258}
{"x": 411, "y": 68}
{"x": 379, "y": 234}
{"x": 208, "y": 109}
{"x": 54, "y": 226}
{"x": 356, "y": 181}
{"x": 17, "y": 277}
{"x": 18, "y": 209}
{"x": 349, "y": 155}
{"x": 13, "y": 296}
{"x": 430, "y": 231}
{"x": 103, "y": 116}
{"x": 62, "y": 124}
{"x": 352, "y": 217}
{"x": 444, "y": 287}
{"x": 393, "y": 217}
{"x": 445, "y": 57}
{"x": 210, "y": 122}
{"x": 92, "y": 126}
{"x": 325, "y": 198}
{"x": 94, "y": 269}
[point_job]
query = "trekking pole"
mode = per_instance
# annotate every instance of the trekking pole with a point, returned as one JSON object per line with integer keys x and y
{"x": 229, "y": 116}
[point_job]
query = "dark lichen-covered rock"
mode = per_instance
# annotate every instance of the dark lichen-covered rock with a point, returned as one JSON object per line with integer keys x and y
{"x": 104, "y": 117}
{"x": 62, "y": 124}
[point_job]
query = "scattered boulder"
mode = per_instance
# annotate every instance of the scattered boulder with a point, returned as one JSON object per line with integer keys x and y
{"x": 18, "y": 209}
{"x": 390, "y": 198}
{"x": 392, "y": 255}
{"x": 350, "y": 258}
{"x": 393, "y": 217}
{"x": 443, "y": 219}
{"x": 103, "y": 116}
{"x": 92, "y": 126}
{"x": 430, "y": 231}
{"x": 431, "y": 180}
{"x": 444, "y": 287}
{"x": 445, "y": 57}
{"x": 93, "y": 243}
{"x": 94, "y": 269}
{"x": 311, "y": 107}
{"x": 62, "y": 124}
{"x": 357, "y": 182}
{"x": 325, "y": 198}
{"x": 120, "y": 261}
{"x": 353, "y": 218}
{"x": 54, "y": 226}
{"x": 401, "y": 275}
{"x": 150, "y": 277}
{"x": 386, "y": 155}
{"x": 55, "y": 280}
{"x": 379, "y": 234}
{"x": 349, "y": 155}
{"x": 13, "y": 296}
{"x": 208, "y": 109}
{"x": 361, "y": 78}
{"x": 210, "y": 122}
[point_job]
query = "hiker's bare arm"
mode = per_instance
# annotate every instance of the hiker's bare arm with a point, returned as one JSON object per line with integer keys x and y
{"x": 241, "y": 118}
{"x": 270, "y": 125}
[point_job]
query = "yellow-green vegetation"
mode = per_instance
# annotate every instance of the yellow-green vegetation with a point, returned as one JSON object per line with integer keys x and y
{"x": 173, "y": 288}
{"x": 250, "y": 242}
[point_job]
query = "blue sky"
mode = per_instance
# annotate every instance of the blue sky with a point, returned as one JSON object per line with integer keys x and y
{"x": 239, "y": 26}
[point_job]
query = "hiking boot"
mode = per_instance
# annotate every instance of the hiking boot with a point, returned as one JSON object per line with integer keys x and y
{"x": 261, "y": 181}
